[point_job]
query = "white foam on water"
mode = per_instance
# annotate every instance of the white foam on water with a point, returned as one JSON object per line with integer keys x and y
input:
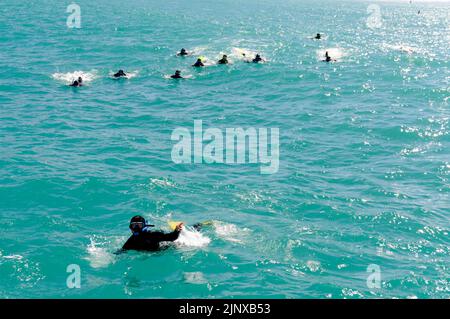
{"x": 69, "y": 77}
{"x": 242, "y": 54}
{"x": 16, "y": 257}
{"x": 313, "y": 265}
{"x": 99, "y": 256}
{"x": 207, "y": 61}
{"x": 400, "y": 47}
{"x": 230, "y": 232}
{"x": 335, "y": 53}
{"x": 164, "y": 182}
{"x": 26, "y": 271}
{"x": 195, "y": 278}
{"x": 198, "y": 50}
{"x": 190, "y": 237}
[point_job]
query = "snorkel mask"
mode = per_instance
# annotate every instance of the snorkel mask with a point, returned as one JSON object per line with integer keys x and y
{"x": 137, "y": 224}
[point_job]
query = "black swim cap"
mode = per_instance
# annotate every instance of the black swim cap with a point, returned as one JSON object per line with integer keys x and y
{"x": 137, "y": 219}
{"x": 137, "y": 224}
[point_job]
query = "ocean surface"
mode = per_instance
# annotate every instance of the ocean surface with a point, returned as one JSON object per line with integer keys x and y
{"x": 364, "y": 155}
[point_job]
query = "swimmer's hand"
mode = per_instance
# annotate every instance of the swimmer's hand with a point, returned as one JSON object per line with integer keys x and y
{"x": 179, "y": 227}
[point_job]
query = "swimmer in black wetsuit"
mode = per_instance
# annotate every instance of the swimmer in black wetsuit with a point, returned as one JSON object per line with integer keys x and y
{"x": 120, "y": 74}
{"x": 143, "y": 239}
{"x": 327, "y": 58}
{"x": 77, "y": 83}
{"x": 177, "y": 75}
{"x": 318, "y": 36}
{"x": 198, "y": 63}
{"x": 224, "y": 60}
{"x": 257, "y": 59}
{"x": 182, "y": 52}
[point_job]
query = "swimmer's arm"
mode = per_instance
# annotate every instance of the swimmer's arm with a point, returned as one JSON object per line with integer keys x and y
{"x": 120, "y": 251}
{"x": 161, "y": 236}
{"x": 124, "y": 248}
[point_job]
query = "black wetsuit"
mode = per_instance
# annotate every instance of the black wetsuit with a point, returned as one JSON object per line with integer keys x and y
{"x": 120, "y": 74}
{"x": 198, "y": 64}
{"x": 149, "y": 240}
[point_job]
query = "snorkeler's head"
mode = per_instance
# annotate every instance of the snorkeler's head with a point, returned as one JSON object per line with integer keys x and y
{"x": 137, "y": 223}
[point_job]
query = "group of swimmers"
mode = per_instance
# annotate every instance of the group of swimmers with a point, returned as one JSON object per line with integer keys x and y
{"x": 327, "y": 56}
{"x": 199, "y": 63}
{"x": 79, "y": 81}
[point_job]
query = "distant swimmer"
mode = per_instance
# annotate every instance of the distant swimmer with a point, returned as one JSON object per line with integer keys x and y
{"x": 177, "y": 75}
{"x": 257, "y": 59}
{"x": 144, "y": 239}
{"x": 224, "y": 60}
{"x": 77, "y": 83}
{"x": 318, "y": 36}
{"x": 327, "y": 58}
{"x": 120, "y": 74}
{"x": 198, "y": 63}
{"x": 182, "y": 52}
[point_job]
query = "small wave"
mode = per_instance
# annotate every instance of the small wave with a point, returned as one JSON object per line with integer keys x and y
{"x": 162, "y": 182}
{"x": 16, "y": 257}
{"x": 400, "y": 47}
{"x": 195, "y": 278}
{"x": 421, "y": 149}
{"x": 26, "y": 271}
{"x": 313, "y": 266}
{"x": 229, "y": 232}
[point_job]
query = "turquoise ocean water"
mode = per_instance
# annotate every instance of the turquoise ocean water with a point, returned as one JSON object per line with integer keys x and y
{"x": 364, "y": 149}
